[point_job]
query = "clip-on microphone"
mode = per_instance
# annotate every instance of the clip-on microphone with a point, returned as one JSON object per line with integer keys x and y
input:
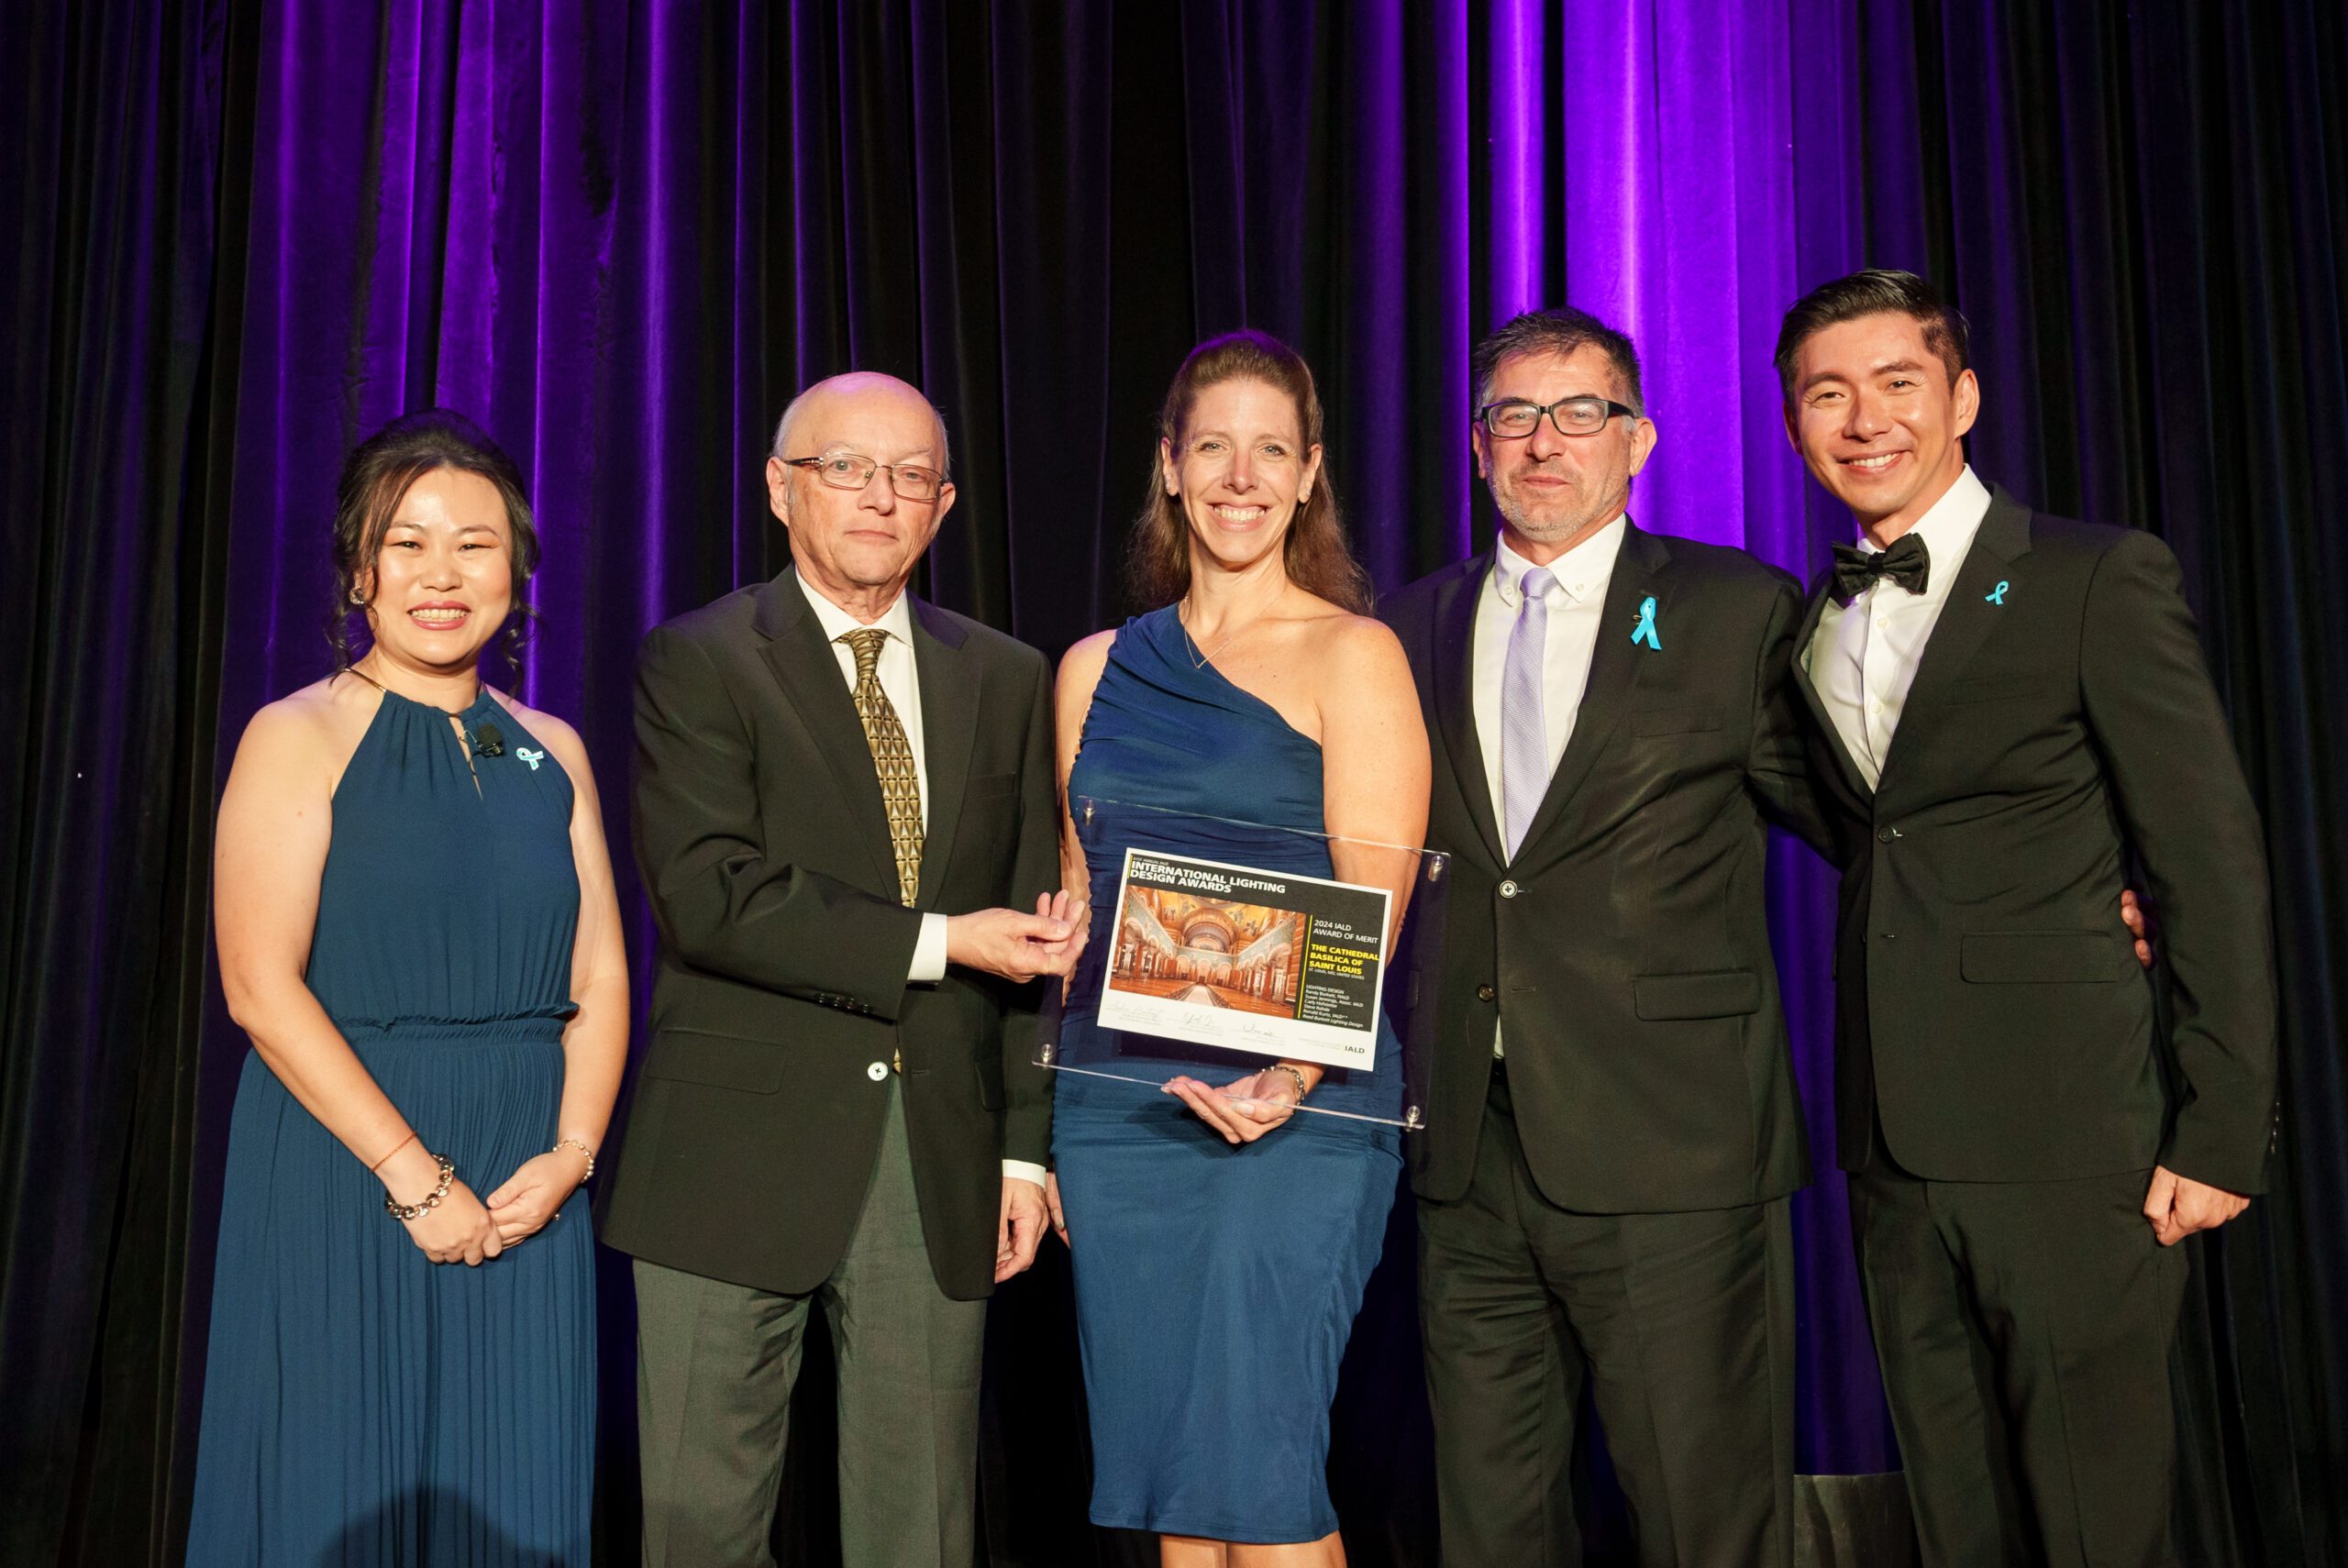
{"x": 488, "y": 741}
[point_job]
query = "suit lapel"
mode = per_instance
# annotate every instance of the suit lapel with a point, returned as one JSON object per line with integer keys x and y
{"x": 1454, "y": 681}
{"x": 809, "y": 673}
{"x": 1967, "y": 618}
{"x": 949, "y": 716}
{"x": 1614, "y": 667}
{"x": 1852, "y": 780}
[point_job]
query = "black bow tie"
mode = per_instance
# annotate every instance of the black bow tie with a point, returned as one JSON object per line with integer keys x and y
{"x": 1907, "y": 563}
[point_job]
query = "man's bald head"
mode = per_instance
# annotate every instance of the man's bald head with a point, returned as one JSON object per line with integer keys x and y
{"x": 857, "y": 543}
{"x": 836, "y": 398}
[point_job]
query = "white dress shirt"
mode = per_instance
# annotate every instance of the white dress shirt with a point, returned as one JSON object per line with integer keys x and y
{"x": 1577, "y": 600}
{"x": 900, "y": 682}
{"x": 1863, "y": 657}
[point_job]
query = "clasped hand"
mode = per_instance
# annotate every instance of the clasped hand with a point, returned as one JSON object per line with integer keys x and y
{"x": 535, "y": 1194}
{"x": 1021, "y": 947}
{"x": 464, "y": 1229}
{"x": 457, "y": 1230}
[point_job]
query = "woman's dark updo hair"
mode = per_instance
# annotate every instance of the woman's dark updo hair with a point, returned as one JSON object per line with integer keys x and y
{"x": 376, "y": 477}
{"x": 1157, "y": 563}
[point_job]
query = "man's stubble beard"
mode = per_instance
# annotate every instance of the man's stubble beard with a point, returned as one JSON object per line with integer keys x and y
{"x": 1557, "y": 530}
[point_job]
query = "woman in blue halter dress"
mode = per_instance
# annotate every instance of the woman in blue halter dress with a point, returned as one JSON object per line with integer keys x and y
{"x": 1217, "y": 1275}
{"x": 460, "y": 1002}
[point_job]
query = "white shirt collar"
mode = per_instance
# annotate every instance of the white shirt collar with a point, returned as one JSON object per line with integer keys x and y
{"x": 897, "y": 621}
{"x": 1582, "y": 571}
{"x": 1947, "y": 529}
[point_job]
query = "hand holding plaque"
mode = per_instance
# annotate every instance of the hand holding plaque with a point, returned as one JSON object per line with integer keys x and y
{"x": 1236, "y": 968}
{"x": 1245, "y": 1110}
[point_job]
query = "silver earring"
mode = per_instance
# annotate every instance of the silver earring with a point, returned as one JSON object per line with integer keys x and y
{"x": 357, "y": 596}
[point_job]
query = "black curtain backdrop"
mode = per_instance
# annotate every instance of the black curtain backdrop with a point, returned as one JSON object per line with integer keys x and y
{"x": 242, "y": 234}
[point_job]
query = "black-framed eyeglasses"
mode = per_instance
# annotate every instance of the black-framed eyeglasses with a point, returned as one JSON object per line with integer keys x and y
{"x": 1512, "y": 419}
{"x": 854, "y": 470}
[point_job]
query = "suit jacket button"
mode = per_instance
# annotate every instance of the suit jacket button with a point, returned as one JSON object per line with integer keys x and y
{"x": 1509, "y": 890}
{"x": 1485, "y": 993}
{"x": 1885, "y": 835}
{"x": 877, "y": 1071}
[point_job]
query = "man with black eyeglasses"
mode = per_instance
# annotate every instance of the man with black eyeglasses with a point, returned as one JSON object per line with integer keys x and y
{"x": 1613, "y": 1127}
{"x": 844, "y": 806}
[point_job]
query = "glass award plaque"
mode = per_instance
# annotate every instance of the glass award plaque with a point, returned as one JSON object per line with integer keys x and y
{"x": 1221, "y": 947}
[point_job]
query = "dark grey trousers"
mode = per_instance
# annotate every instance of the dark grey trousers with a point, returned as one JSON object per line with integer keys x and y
{"x": 715, "y": 1365}
{"x": 2024, "y": 1329}
{"x": 1682, "y": 1326}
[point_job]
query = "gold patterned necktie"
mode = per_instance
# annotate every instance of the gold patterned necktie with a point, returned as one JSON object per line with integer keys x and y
{"x": 893, "y": 759}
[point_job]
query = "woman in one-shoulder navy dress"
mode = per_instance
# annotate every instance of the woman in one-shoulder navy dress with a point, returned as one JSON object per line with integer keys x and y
{"x": 416, "y": 1390}
{"x": 1220, "y": 1253}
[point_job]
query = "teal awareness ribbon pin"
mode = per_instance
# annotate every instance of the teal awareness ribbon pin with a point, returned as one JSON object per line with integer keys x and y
{"x": 532, "y": 757}
{"x": 1998, "y": 594}
{"x": 1644, "y": 631}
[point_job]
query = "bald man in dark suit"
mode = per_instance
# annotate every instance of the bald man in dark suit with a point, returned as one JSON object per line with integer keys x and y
{"x": 844, "y": 801}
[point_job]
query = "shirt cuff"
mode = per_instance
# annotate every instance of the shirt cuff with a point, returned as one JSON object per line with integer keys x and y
{"x": 929, "y": 952}
{"x": 1024, "y": 1170}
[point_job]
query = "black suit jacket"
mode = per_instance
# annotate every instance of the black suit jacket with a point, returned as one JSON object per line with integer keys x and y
{"x": 781, "y": 979}
{"x": 1992, "y": 1016}
{"x": 1625, "y": 948}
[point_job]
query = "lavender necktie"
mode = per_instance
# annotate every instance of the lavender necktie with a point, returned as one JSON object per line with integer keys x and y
{"x": 1524, "y": 725}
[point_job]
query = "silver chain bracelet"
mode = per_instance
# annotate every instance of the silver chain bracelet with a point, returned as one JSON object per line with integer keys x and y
{"x": 406, "y": 1212}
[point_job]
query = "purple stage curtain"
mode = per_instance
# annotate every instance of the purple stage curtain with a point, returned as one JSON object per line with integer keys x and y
{"x": 621, "y": 235}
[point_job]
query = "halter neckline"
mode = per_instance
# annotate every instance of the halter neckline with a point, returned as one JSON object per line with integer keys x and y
{"x": 482, "y": 698}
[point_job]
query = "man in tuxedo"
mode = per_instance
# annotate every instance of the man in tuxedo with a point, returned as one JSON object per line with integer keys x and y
{"x": 1613, "y": 1129}
{"x": 844, "y": 798}
{"x": 2006, "y": 708}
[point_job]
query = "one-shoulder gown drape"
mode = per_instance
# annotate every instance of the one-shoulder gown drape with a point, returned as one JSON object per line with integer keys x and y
{"x": 363, "y": 1405}
{"x": 1215, "y": 1286}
